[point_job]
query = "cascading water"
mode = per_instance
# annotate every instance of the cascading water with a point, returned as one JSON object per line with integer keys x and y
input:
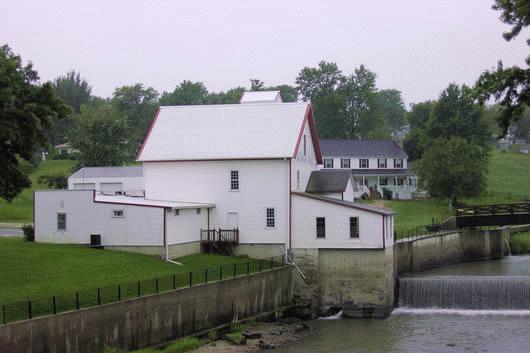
{"x": 465, "y": 292}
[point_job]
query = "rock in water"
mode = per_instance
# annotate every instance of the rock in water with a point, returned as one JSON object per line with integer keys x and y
{"x": 266, "y": 345}
{"x": 252, "y": 335}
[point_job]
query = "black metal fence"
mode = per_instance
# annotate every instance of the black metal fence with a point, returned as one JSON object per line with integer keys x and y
{"x": 436, "y": 227}
{"x": 34, "y": 308}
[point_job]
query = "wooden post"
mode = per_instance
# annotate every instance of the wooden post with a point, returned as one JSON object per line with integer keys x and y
{"x": 191, "y": 279}
{"x": 174, "y": 282}
{"x": 221, "y": 273}
{"x": 119, "y": 293}
{"x": 99, "y": 297}
{"x": 77, "y": 300}
{"x": 54, "y": 305}
{"x": 139, "y": 289}
{"x": 29, "y": 309}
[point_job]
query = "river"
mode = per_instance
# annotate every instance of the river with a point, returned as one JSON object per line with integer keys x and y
{"x": 432, "y": 329}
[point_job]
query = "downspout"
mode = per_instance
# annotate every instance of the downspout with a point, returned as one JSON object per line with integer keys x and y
{"x": 166, "y": 252}
{"x": 290, "y": 207}
{"x": 383, "y": 223}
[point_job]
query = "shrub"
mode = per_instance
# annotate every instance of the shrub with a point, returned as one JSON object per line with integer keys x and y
{"x": 520, "y": 243}
{"x": 387, "y": 194}
{"x": 59, "y": 181}
{"x": 365, "y": 196}
{"x": 185, "y": 344}
{"x": 29, "y": 232}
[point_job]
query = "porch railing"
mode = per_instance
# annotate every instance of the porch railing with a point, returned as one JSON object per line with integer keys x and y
{"x": 220, "y": 235}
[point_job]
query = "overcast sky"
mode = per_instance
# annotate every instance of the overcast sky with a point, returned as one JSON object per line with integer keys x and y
{"x": 416, "y": 46}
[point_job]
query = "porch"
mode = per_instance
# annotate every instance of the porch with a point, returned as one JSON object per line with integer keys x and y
{"x": 402, "y": 184}
{"x": 219, "y": 241}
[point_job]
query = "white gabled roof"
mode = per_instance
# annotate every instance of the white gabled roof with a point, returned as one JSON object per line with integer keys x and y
{"x": 226, "y": 131}
{"x": 261, "y": 97}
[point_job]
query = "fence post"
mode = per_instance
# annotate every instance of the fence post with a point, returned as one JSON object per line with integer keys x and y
{"x": 119, "y": 293}
{"x": 235, "y": 270}
{"x": 248, "y": 268}
{"x": 77, "y": 300}
{"x": 259, "y": 261}
{"x": 139, "y": 289}
{"x": 54, "y": 305}
{"x": 156, "y": 284}
{"x": 221, "y": 273}
{"x": 174, "y": 282}
{"x": 272, "y": 262}
{"x": 4, "y": 314}
{"x": 29, "y": 309}
{"x": 99, "y": 297}
{"x": 191, "y": 279}
{"x": 206, "y": 276}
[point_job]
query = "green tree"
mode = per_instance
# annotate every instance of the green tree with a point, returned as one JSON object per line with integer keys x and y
{"x": 452, "y": 168}
{"x": 101, "y": 136}
{"x": 320, "y": 81}
{"x": 138, "y": 104}
{"x": 362, "y": 114}
{"x": 232, "y": 96}
{"x": 186, "y": 93}
{"x": 393, "y": 107}
{"x": 328, "y": 111}
{"x": 413, "y": 144}
{"x": 455, "y": 114}
{"x": 510, "y": 87}
{"x": 257, "y": 85}
{"x": 288, "y": 93}
{"x": 73, "y": 89}
{"x": 26, "y": 109}
{"x": 419, "y": 114}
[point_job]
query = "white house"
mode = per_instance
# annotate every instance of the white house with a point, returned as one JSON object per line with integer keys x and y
{"x": 374, "y": 164}
{"x": 249, "y": 170}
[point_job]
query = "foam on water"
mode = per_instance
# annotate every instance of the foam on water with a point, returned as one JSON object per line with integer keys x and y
{"x": 337, "y": 316}
{"x": 460, "y": 312}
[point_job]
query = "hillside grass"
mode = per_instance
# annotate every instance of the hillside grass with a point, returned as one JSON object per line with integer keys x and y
{"x": 508, "y": 182}
{"x": 35, "y": 270}
{"x": 520, "y": 243}
{"x": 20, "y": 209}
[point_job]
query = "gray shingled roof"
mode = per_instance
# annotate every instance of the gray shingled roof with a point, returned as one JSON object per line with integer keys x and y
{"x": 373, "y": 209}
{"x": 361, "y": 148}
{"x": 109, "y": 172}
{"x": 325, "y": 181}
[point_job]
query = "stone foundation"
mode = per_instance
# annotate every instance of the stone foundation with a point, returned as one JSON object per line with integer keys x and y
{"x": 259, "y": 251}
{"x": 359, "y": 281}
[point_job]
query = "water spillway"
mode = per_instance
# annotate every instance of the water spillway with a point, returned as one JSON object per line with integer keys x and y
{"x": 465, "y": 292}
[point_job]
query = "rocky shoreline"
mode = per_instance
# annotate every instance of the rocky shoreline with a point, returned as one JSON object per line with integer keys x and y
{"x": 259, "y": 336}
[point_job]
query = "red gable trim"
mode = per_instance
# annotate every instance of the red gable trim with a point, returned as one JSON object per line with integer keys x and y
{"x": 153, "y": 122}
{"x": 308, "y": 118}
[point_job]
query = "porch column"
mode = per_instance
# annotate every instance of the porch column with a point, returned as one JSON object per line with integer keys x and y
{"x": 363, "y": 181}
{"x": 395, "y": 181}
{"x": 378, "y": 181}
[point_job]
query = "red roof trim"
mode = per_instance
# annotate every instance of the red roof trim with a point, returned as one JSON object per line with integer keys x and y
{"x": 155, "y": 117}
{"x": 308, "y": 117}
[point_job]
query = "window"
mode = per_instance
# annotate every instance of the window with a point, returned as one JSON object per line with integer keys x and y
{"x": 399, "y": 181}
{"x": 234, "y": 180}
{"x": 61, "y": 221}
{"x": 354, "y": 227}
{"x": 270, "y": 220}
{"x": 117, "y": 213}
{"x": 383, "y": 181}
{"x": 321, "y": 227}
{"x": 305, "y": 146}
{"x": 363, "y": 163}
{"x": 328, "y": 162}
{"x": 198, "y": 211}
{"x": 298, "y": 180}
{"x": 381, "y": 163}
{"x": 398, "y": 163}
{"x": 345, "y": 163}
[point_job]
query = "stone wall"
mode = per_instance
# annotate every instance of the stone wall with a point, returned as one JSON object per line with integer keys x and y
{"x": 450, "y": 248}
{"x": 361, "y": 279}
{"x": 151, "y": 320}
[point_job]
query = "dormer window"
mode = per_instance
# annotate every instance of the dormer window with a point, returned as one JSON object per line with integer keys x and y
{"x": 328, "y": 162}
{"x": 345, "y": 163}
{"x": 381, "y": 163}
{"x": 363, "y": 163}
{"x": 398, "y": 163}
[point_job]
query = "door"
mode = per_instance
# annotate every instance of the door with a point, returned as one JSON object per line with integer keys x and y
{"x": 233, "y": 220}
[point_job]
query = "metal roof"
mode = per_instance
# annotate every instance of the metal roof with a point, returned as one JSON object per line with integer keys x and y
{"x": 326, "y": 181}
{"x": 108, "y": 172}
{"x": 361, "y": 148}
{"x": 225, "y": 131}
{"x": 140, "y": 201}
{"x": 261, "y": 97}
{"x": 379, "y": 210}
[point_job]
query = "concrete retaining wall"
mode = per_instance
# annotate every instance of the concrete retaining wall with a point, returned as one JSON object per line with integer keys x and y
{"x": 151, "y": 320}
{"x": 362, "y": 279}
{"x": 450, "y": 248}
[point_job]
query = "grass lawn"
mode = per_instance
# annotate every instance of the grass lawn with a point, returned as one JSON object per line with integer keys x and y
{"x": 508, "y": 181}
{"x": 20, "y": 210}
{"x": 520, "y": 243}
{"x": 33, "y": 270}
